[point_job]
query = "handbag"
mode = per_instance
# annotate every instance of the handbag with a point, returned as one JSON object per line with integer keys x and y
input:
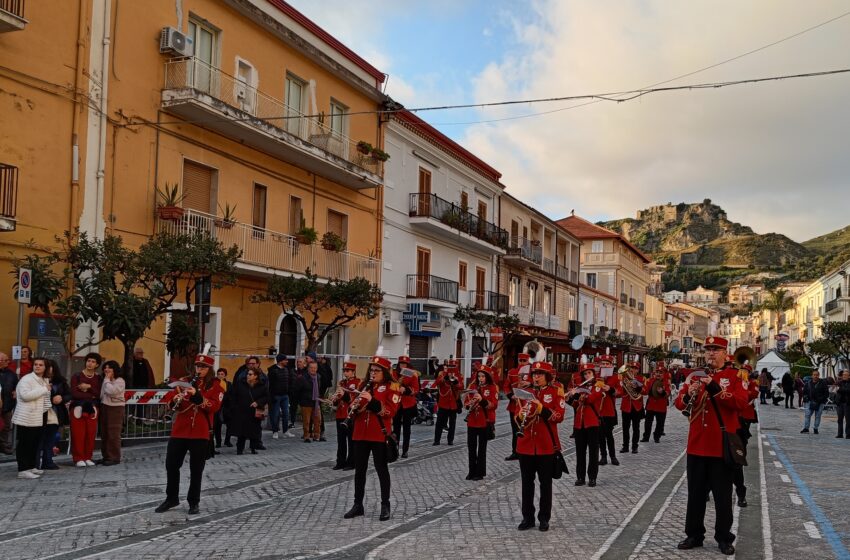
{"x": 734, "y": 451}
{"x": 390, "y": 441}
{"x": 559, "y": 466}
{"x": 491, "y": 431}
{"x": 259, "y": 413}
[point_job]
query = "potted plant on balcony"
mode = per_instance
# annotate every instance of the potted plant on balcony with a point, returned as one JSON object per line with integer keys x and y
{"x": 333, "y": 242}
{"x": 306, "y": 235}
{"x": 535, "y": 242}
{"x": 364, "y": 147}
{"x": 169, "y": 198}
{"x": 453, "y": 217}
{"x": 228, "y": 216}
{"x": 379, "y": 154}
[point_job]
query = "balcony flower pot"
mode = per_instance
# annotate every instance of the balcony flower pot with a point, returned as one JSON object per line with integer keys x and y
{"x": 224, "y": 224}
{"x": 170, "y": 213}
{"x": 379, "y": 154}
{"x": 364, "y": 147}
{"x": 333, "y": 242}
{"x": 228, "y": 216}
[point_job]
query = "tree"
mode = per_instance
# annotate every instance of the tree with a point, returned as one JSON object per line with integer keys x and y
{"x": 482, "y": 323}
{"x": 822, "y": 353}
{"x": 338, "y": 302}
{"x": 838, "y": 333}
{"x": 778, "y": 301}
{"x": 122, "y": 291}
{"x": 656, "y": 354}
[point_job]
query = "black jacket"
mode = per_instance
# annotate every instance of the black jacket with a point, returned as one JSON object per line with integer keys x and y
{"x": 304, "y": 390}
{"x": 842, "y": 395}
{"x": 817, "y": 392}
{"x": 787, "y": 383}
{"x": 62, "y": 389}
{"x": 8, "y": 382}
{"x": 280, "y": 380}
{"x": 243, "y": 421}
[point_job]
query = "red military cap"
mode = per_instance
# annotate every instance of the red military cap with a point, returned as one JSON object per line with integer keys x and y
{"x": 635, "y": 365}
{"x": 716, "y": 342}
{"x": 404, "y": 360}
{"x": 486, "y": 369}
{"x": 451, "y": 363}
{"x": 204, "y": 360}
{"x": 604, "y": 359}
{"x": 381, "y": 362}
{"x": 525, "y": 357}
{"x": 349, "y": 365}
{"x": 544, "y": 368}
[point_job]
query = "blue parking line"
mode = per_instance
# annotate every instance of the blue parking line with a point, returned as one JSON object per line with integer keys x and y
{"x": 841, "y": 553}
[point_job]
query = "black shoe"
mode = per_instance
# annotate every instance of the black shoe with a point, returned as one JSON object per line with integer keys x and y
{"x": 218, "y": 446}
{"x": 816, "y": 430}
{"x": 579, "y": 482}
{"x": 404, "y": 455}
{"x": 338, "y": 467}
{"x": 167, "y": 505}
{"x": 240, "y": 452}
{"x": 526, "y": 525}
{"x": 228, "y": 444}
{"x": 742, "y": 502}
{"x": 634, "y": 449}
{"x": 307, "y": 440}
{"x": 356, "y": 511}
{"x": 476, "y": 478}
{"x": 657, "y": 440}
{"x": 644, "y": 439}
{"x": 624, "y": 449}
{"x": 592, "y": 482}
{"x": 436, "y": 443}
{"x": 385, "y": 512}
{"x": 544, "y": 526}
{"x": 603, "y": 462}
{"x": 108, "y": 463}
{"x": 688, "y": 544}
{"x": 322, "y": 438}
{"x": 194, "y": 509}
{"x": 839, "y": 436}
{"x": 614, "y": 461}
{"x": 253, "y": 452}
{"x": 261, "y": 447}
{"x": 512, "y": 457}
{"x": 726, "y": 548}
{"x": 804, "y": 431}
{"x": 348, "y": 468}
{"x": 792, "y": 408}
{"x": 469, "y": 477}
{"x": 450, "y": 442}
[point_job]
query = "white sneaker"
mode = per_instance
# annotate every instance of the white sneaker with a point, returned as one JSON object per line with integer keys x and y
{"x": 275, "y": 435}
{"x": 80, "y": 463}
{"x": 290, "y": 434}
{"x": 89, "y": 463}
{"x": 39, "y": 472}
{"x": 28, "y": 475}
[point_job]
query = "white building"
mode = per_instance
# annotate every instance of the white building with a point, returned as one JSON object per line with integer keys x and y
{"x": 702, "y": 296}
{"x": 440, "y": 243}
{"x": 673, "y": 296}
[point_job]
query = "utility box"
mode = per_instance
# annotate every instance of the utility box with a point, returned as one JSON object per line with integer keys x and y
{"x": 46, "y": 340}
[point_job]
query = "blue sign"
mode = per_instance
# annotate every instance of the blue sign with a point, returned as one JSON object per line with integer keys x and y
{"x": 42, "y": 327}
{"x": 414, "y": 317}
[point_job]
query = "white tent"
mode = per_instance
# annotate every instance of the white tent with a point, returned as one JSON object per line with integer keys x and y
{"x": 774, "y": 364}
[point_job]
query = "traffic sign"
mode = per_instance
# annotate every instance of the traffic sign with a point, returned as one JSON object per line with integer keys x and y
{"x": 24, "y": 285}
{"x": 496, "y": 334}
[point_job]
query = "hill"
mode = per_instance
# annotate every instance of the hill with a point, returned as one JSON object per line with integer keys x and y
{"x": 830, "y": 250}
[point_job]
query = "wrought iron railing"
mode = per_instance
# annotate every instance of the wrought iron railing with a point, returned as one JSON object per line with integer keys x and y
{"x": 191, "y": 73}
{"x": 632, "y": 302}
{"x": 428, "y": 205}
{"x": 522, "y": 247}
{"x": 624, "y": 298}
{"x": 830, "y": 305}
{"x": 549, "y": 266}
{"x": 14, "y": 7}
{"x": 640, "y": 306}
{"x": 8, "y": 190}
{"x": 489, "y": 301}
{"x": 427, "y": 286}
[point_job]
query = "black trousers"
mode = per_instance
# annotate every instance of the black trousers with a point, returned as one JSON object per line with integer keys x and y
{"x": 514, "y": 430}
{"x": 789, "y": 400}
{"x": 175, "y": 454}
{"x": 709, "y": 474}
{"x": 659, "y": 425}
{"x": 476, "y": 443}
{"x": 606, "y": 437}
{"x": 541, "y": 467}
{"x": 29, "y": 445}
{"x": 378, "y": 449}
{"x": 631, "y": 428}
{"x": 344, "y": 447}
{"x": 445, "y": 417}
{"x": 738, "y": 471}
{"x": 217, "y": 424}
{"x": 253, "y": 443}
{"x": 401, "y": 426}
{"x": 587, "y": 447}
{"x": 844, "y": 419}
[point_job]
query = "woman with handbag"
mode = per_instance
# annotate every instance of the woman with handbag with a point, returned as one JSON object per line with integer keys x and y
{"x": 248, "y": 400}
{"x": 372, "y": 412}
{"x": 33, "y": 394}
{"x": 481, "y": 400}
{"x": 112, "y": 403}
{"x": 57, "y": 416}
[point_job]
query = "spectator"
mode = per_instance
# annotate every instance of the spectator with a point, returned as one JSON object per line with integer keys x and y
{"x": 251, "y": 363}
{"x": 111, "y": 413}
{"x": 300, "y": 371}
{"x": 765, "y": 380}
{"x": 777, "y": 395}
{"x": 308, "y": 390}
{"x": 142, "y": 371}
{"x": 279, "y": 386}
{"x": 85, "y": 392}
{"x": 817, "y": 393}
{"x": 788, "y": 389}
{"x": 434, "y": 367}
{"x": 223, "y": 414}
{"x": 248, "y": 401}
{"x": 8, "y": 382}
{"x": 33, "y": 402}
{"x": 25, "y": 363}
{"x": 57, "y": 416}
{"x": 842, "y": 402}
{"x": 798, "y": 386}
{"x": 326, "y": 381}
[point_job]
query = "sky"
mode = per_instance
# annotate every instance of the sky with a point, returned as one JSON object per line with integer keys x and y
{"x": 775, "y": 156}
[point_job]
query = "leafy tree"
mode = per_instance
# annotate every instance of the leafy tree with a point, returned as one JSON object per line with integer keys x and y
{"x": 822, "y": 353}
{"x": 656, "y": 354}
{"x": 337, "y": 302}
{"x": 481, "y": 323}
{"x": 778, "y": 301}
{"x": 183, "y": 335}
{"x": 838, "y": 333}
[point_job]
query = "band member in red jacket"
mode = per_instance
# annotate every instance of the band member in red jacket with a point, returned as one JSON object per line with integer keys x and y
{"x": 538, "y": 421}
{"x": 194, "y": 411}
{"x": 656, "y": 404}
{"x": 514, "y": 379}
{"x": 701, "y": 398}
{"x": 631, "y": 405}
{"x": 449, "y": 385}
{"x": 746, "y": 419}
{"x": 373, "y": 410}
{"x": 481, "y": 400}
{"x": 607, "y": 410}
{"x": 341, "y": 400}
{"x": 586, "y": 399}
{"x": 407, "y": 411}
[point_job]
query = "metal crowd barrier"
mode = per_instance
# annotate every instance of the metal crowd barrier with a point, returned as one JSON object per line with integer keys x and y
{"x": 147, "y": 414}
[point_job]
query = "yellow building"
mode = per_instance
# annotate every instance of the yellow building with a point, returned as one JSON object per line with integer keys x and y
{"x": 242, "y": 104}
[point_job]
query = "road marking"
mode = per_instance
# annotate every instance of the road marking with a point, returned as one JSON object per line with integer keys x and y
{"x": 785, "y": 478}
{"x": 607, "y": 544}
{"x": 812, "y": 530}
{"x": 777, "y": 464}
{"x": 772, "y": 452}
{"x": 645, "y": 537}
{"x": 767, "y": 443}
{"x": 766, "y": 535}
{"x": 795, "y": 499}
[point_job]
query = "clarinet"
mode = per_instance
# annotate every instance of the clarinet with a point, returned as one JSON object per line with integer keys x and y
{"x": 353, "y": 410}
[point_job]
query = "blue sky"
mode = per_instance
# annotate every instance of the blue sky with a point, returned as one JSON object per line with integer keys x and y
{"x": 773, "y": 155}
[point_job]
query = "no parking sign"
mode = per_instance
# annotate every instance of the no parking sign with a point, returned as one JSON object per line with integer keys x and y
{"x": 24, "y": 285}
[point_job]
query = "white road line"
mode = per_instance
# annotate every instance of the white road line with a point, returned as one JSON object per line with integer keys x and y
{"x": 812, "y": 529}
{"x": 795, "y": 499}
{"x": 777, "y": 464}
{"x": 645, "y": 537}
{"x": 772, "y": 452}
{"x": 785, "y": 478}
{"x": 767, "y": 443}
{"x": 613, "y": 537}
{"x": 766, "y": 535}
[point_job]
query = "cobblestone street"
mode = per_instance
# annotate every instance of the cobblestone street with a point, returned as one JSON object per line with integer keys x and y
{"x": 288, "y": 503}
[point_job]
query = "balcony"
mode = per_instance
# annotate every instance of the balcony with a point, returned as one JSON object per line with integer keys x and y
{"x": 431, "y": 288}
{"x": 269, "y": 252}
{"x": 8, "y": 197}
{"x": 640, "y": 306}
{"x": 199, "y": 92}
{"x": 444, "y": 218}
{"x": 522, "y": 313}
{"x": 624, "y": 298}
{"x": 549, "y": 266}
{"x": 12, "y": 15}
{"x": 489, "y": 301}
{"x": 544, "y": 320}
{"x": 523, "y": 253}
{"x": 632, "y": 302}
{"x": 562, "y": 273}
{"x": 831, "y": 306}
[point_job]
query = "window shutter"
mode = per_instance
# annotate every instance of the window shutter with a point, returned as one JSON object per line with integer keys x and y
{"x": 336, "y": 224}
{"x": 197, "y": 186}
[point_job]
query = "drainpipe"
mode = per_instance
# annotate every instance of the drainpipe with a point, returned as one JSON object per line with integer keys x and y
{"x": 104, "y": 105}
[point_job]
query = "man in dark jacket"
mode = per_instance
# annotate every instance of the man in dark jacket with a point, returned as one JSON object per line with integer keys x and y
{"x": 788, "y": 389}
{"x": 842, "y": 401}
{"x": 308, "y": 389}
{"x": 8, "y": 382}
{"x": 817, "y": 393}
{"x": 280, "y": 383}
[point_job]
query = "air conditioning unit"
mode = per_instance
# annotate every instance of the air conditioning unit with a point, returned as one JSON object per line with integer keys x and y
{"x": 173, "y": 42}
{"x": 241, "y": 92}
{"x": 392, "y": 328}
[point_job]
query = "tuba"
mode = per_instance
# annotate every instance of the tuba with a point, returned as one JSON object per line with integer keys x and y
{"x": 535, "y": 350}
{"x": 657, "y": 388}
{"x": 629, "y": 384}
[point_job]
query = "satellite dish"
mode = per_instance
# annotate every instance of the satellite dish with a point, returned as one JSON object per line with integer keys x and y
{"x": 577, "y": 342}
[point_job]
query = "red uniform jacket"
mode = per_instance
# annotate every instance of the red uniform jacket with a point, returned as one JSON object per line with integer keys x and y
{"x": 704, "y": 437}
{"x": 344, "y": 401}
{"x": 608, "y": 406}
{"x": 385, "y": 401}
{"x": 536, "y": 439}
{"x": 628, "y": 404}
{"x": 587, "y": 408}
{"x": 485, "y": 411}
{"x": 193, "y": 417}
{"x": 409, "y": 388}
{"x": 447, "y": 392}
{"x": 752, "y": 390}
{"x": 657, "y": 404}
{"x": 508, "y": 389}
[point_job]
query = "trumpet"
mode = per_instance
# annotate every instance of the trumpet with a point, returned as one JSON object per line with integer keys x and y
{"x": 474, "y": 406}
{"x": 689, "y": 408}
{"x": 354, "y": 409}
{"x": 524, "y": 416}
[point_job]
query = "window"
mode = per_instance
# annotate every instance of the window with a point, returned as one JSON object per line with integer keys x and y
{"x": 205, "y": 40}
{"x": 464, "y": 200}
{"x": 197, "y": 187}
{"x": 338, "y": 224}
{"x": 482, "y": 210}
{"x": 514, "y": 292}
{"x": 461, "y": 275}
{"x": 480, "y": 283}
{"x": 591, "y": 280}
{"x": 547, "y": 301}
{"x": 243, "y": 88}
{"x": 295, "y": 215}
{"x": 514, "y": 234}
{"x": 339, "y": 119}
{"x": 532, "y": 297}
{"x": 424, "y": 180}
{"x": 596, "y": 246}
{"x": 294, "y": 105}
{"x": 258, "y": 215}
